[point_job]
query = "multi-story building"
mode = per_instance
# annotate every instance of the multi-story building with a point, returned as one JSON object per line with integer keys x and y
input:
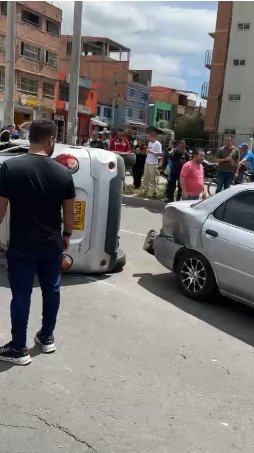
{"x": 87, "y": 105}
{"x": 37, "y": 58}
{"x": 106, "y": 62}
{"x": 160, "y": 115}
{"x": 167, "y": 105}
{"x": 137, "y": 106}
{"x": 230, "y": 94}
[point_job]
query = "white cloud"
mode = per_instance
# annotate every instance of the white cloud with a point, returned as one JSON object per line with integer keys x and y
{"x": 162, "y": 37}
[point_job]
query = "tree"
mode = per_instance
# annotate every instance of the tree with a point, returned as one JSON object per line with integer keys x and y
{"x": 191, "y": 129}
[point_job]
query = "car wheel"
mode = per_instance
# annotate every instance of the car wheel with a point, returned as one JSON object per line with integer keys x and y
{"x": 120, "y": 261}
{"x": 195, "y": 276}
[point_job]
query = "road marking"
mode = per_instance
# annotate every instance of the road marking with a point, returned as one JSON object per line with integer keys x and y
{"x": 133, "y": 232}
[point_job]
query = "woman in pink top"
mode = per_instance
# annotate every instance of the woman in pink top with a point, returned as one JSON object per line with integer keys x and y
{"x": 192, "y": 177}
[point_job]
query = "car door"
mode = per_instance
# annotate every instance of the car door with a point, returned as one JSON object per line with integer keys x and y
{"x": 228, "y": 243}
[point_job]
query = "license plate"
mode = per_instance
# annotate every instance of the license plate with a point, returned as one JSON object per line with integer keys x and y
{"x": 80, "y": 212}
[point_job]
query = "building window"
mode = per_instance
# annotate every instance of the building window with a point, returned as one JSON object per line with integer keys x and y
{"x": 48, "y": 90}
{"x": 98, "y": 110}
{"x": 141, "y": 115}
{"x": 229, "y": 131}
{"x": 64, "y": 91}
{"x": 130, "y": 112}
{"x": 30, "y": 52}
{"x": 245, "y": 26}
{"x": 31, "y": 18}
{"x": 131, "y": 93}
{"x": 3, "y": 8}
{"x": 29, "y": 86}
{"x": 107, "y": 112}
{"x": 2, "y": 80}
{"x": 51, "y": 59}
{"x": 239, "y": 62}
{"x": 2, "y": 44}
{"x": 53, "y": 28}
{"x": 144, "y": 96}
{"x": 68, "y": 47}
{"x": 234, "y": 97}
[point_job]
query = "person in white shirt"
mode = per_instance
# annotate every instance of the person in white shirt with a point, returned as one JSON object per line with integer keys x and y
{"x": 154, "y": 151}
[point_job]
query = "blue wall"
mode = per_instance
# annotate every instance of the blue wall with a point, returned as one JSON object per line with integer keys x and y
{"x": 137, "y": 102}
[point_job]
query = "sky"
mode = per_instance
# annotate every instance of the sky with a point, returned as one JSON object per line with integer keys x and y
{"x": 169, "y": 37}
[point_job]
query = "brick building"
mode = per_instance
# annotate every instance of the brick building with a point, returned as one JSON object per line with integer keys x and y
{"x": 172, "y": 105}
{"x": 38, "y": 45}
{"x": 87, "y": 105}
{"x": 105, "y": 62}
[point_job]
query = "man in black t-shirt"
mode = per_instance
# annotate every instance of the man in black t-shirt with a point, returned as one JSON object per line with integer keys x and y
{"x": 178, "y": 157}
{"x": 36, "y": 188}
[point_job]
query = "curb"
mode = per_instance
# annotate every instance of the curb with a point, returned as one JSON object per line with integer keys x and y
{"x": 138, "y": 202}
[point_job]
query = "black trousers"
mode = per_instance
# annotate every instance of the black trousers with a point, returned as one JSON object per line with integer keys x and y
{"x": 138, "y": 170}
{"x": 171, "y": 187}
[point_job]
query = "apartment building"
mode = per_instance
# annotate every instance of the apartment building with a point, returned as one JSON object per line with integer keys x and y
{"x": 106, "y": 62}
{"x": 37, "y": 59}
{"x": 230, "y": 93}
{"x": 137, "y": 105}
{"x": 87, "y": 105}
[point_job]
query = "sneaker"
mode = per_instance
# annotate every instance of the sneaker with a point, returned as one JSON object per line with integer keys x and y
{"x": 9, "y": 354}
{"x": 47, "y": 343}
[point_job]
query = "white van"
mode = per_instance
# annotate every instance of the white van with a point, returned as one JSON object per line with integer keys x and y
{"x": 98, "y": 177}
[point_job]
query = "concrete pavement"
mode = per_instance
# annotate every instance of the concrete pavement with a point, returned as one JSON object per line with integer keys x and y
{"x": 139, "y": 368}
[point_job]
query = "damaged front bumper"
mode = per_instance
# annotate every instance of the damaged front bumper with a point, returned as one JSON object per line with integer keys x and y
{"x": 163, "y": 247}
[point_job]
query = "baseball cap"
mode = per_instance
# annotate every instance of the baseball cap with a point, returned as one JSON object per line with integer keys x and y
{"x": 244, "y": 145}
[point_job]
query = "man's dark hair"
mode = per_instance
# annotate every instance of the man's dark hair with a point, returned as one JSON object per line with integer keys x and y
{"x": 5, "y": 136}
{"x": 197, "y": 151}
{"x": 120, "y": 129}
{"x": 41, "y": 130}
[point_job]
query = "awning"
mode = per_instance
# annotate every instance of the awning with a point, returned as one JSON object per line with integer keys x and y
{"x": 136, "y": 124}
{"x": 98, "y": 122}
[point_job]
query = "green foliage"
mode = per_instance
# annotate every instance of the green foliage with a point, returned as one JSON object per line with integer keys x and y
{"x": 192, "y": 131}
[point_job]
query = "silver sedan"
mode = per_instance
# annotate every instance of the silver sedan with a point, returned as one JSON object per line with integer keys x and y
{"x": 210, "y": 244}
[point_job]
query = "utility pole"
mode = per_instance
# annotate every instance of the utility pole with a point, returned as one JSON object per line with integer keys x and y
{"x": 72, "y": 126}
{"x": 114, "y": 95}
{"x": 10, "y": 64}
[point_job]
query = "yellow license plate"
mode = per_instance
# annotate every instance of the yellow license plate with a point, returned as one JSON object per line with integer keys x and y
{"x": 80, "y": 215}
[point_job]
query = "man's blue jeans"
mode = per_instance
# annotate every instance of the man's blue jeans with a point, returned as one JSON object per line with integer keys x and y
{"x": 224, "y": 180}
{"x": 22, "y": 268}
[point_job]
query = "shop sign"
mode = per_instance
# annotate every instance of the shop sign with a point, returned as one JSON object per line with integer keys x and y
{"x": 26, "y": 100}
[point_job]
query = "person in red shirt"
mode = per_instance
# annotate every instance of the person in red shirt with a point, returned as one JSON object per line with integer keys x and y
{"x": 192, "y": 177}
{"x": 119, "y": 143}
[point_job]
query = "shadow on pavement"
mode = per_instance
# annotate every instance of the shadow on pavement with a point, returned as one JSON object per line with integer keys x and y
{"x": 231, "y": 317}
{"x": 67, "y": 279}
{"x": 154, "y": 206}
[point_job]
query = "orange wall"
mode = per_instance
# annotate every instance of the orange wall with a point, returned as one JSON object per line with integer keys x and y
{"x": 91, "y": 98}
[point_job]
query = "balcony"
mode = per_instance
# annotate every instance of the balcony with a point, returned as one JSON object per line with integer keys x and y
{"x": 208, "y": 59}
{"x": 204, "y": 90}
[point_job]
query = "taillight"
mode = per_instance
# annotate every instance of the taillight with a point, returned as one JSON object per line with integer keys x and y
{"x": 69, "y": 162}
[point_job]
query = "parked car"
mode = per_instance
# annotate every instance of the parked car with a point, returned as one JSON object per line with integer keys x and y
{"x": 209, "y": 244}
{"x": 98, "y": 177}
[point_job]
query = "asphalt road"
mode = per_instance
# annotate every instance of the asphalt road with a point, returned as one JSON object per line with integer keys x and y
{"x": 139, "y": 368}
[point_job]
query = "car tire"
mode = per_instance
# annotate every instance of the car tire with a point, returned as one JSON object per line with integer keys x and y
{"x": 195, "y": 276}
{"x": 120, "y": 261}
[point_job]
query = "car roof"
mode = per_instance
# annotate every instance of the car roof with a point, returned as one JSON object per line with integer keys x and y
{"x": 211, "y": 203}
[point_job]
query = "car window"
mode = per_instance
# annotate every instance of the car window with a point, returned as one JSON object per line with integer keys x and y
{"x": 238, "y": 211}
